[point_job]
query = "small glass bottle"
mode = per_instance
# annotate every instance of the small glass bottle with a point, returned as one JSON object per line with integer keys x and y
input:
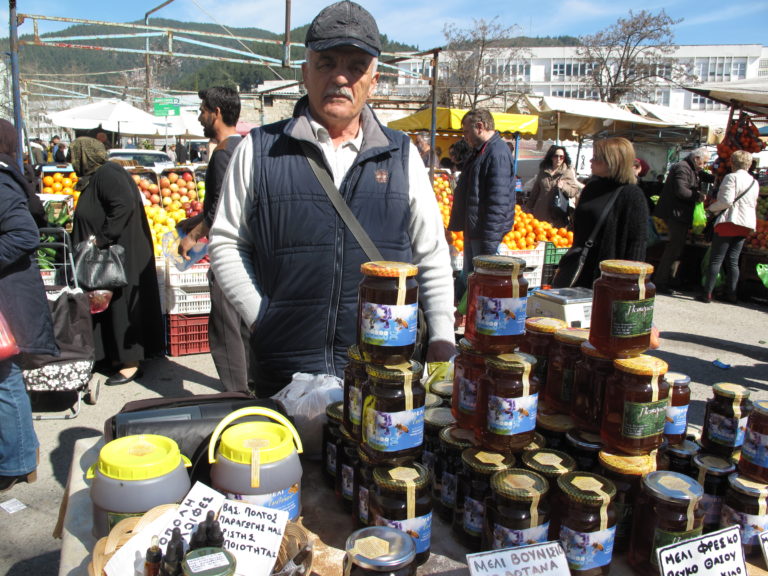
{"x": 588, "y": 528}
{"x": 361, "y": 489}
{"x": 510, "y": 398}
{"x": 393, "y": 413}
{"x": 564, "y": 353}
{"x": 554, "y": 427}
{"x": 754, "y": 453}
{"x": 551, "y": 464}
{"x": 712, "y": 473}
{"x": 453, "y": 441}
{"x": 517, "y": 513}
{"x": 667, "y": 512}
{"x": 589, "y": 380}
{"x": 676, "y": 422}
{"x": 622, "y": 308}
{"x": 354, "y": 377}
{"x": 332, "y": 441}
{"x": 435, "y": 419}
{"x": 585, "y": 448}
{"x": 402, "y": 500}
{"x": 387, "y": 312}
{"x": 746, "y": 505}
{"x": 379, "y": 551}
{"x": 626, "y": 473}
{"x": 635, "y": 405}
{"x": 725, "y": 419}
{"x": 496, "y": 304}
{"x": 680, "y": 457}
{"x": 474, "y": 486}
{"x": 539, "y": 335}
{"x": 468, "y": 369}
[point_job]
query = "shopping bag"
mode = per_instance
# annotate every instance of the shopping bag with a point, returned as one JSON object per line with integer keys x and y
{"x": 100, "y": 268}
{"x": 762, "y": 273}
{"x": 699, "y": 218}
{"x": 8, "y": 346}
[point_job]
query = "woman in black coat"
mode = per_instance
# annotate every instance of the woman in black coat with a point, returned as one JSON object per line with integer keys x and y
{"x": 625, "y": 229}
{"x": 111, "y": 210}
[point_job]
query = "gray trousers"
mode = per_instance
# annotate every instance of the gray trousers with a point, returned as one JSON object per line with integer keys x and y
{"x": 229, "y": 340}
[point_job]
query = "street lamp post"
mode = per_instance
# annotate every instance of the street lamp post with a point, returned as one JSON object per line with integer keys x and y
{"x": 147, "y": 69}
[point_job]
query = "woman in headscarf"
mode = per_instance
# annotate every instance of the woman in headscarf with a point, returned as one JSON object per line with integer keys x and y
{"x": 110, "y": 209}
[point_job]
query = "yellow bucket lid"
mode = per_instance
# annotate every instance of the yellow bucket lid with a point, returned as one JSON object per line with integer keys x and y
{"x": 274, "y": 442}
{"x": 139, "y": 457}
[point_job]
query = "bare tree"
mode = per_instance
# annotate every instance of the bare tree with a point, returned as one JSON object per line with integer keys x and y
{"x": 480, "y": 63}
{"x": 627, "y": 59}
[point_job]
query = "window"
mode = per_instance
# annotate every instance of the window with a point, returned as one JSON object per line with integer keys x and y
{"x": 739, "y": 69}
{"x": 572, "y": 69}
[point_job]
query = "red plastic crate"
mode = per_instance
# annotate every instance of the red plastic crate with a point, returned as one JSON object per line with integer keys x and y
{"x": 187, "y": 334}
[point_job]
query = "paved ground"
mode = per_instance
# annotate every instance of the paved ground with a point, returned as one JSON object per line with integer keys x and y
{"x": 694, "y": 335}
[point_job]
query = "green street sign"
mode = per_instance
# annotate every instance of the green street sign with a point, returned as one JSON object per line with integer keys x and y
{"x": 166, "y": 107}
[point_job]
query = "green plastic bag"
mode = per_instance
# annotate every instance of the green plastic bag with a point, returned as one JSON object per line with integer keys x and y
{"x": 699, "y": 218}
{"x": 720, "y": 280}
{"x": 762, "y": 273}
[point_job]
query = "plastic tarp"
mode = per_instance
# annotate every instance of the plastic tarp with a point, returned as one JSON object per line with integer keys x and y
{"x": 113, "y": 115}
{"x": 752, "y": 95}
{"x": 449, "y": 120}
{"x": 715, "y": 122}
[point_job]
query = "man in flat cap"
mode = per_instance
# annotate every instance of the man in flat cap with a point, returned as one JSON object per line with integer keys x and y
{"x": 281, "y": 252}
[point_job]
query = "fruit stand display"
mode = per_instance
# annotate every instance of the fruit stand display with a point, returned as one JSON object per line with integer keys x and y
{"x": 56, "y": 188}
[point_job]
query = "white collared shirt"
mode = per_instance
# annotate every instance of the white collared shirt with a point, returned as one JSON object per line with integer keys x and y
{"x": 339, "y": 159}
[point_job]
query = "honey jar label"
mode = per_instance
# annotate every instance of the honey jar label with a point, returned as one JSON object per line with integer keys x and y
{"x": 643, "y": 419}
{"x": 418, "y": 528}
{"x": 663, "y": 538}
{"x": 355, "y": 403}
{"x": 347, "y": 475}
{"x": 362, "y": 504}
{"x": 630, "y": 318}
{"x": 448, "y": 489}
{"x": 288, "y": 499}
{"x": 330, "y": 458}
{"x": 755, "y": 448}
{"x": 676, "y": 419}
{"x": 393, "y": 431}
{"x": 467, "y": 395}
{"x": 490, "y": 458}
{"x": 725, "y": 431}
{"x": 387, "y": 325}
{"x": 474, "y": 513}
{"x": 504, "y": 537}
{"x": 588, "y": 550}
{"x": 712, "y": 506}
{"x": 370, "y": 547}
{"x": 750, "y": 525}
{"x": 508, "y": 416}
{"x": 500, "y": 316}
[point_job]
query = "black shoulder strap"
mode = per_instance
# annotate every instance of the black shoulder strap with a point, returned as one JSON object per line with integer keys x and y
{"x": 596, "y": 230}
{"x": 339, "y": 204}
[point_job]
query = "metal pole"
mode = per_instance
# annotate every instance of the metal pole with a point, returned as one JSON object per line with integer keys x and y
{"x": 287, "y": 43}
{"x": 433, "y": 126}
{"x": 147, "y": 67}
{"x": 14, "y": 46}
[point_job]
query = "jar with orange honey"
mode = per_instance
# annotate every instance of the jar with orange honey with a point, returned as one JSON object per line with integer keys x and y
{"x": 676, "y": 422}
{"x": 564, "y": 353}
{"x": 754, "y": 451}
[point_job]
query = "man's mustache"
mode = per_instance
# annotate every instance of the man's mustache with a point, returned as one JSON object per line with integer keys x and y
{"x": 340, "y": 91}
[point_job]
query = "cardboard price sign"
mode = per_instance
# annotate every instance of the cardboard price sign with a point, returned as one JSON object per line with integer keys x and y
{"x": 192, "y": 510}
{"x": 547, "y": 559}
{"x": 716, "y": 554}
{"x": 253, "y": 534}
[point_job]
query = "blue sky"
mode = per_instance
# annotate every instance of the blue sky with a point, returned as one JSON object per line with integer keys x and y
{"x": 420, "y": 22}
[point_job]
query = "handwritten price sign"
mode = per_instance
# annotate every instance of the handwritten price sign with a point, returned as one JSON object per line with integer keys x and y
{"x": 192, "y": 510}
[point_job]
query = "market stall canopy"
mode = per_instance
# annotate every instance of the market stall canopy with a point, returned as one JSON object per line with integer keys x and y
{"x": 751, "y": 95}
{"x": 112, "y": 115}
{"x": 715, "y": 122}
{"x": 449, "y": 120}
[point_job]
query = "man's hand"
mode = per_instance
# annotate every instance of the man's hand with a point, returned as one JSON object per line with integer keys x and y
{"x": 441, "y": 351}
{"x": 193, "y": 236}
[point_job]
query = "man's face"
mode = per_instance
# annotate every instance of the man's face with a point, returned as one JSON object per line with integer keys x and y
{"x": 338, "y": 82}
{"x": 472, "y": 132}
{"x": 207, "y": 118}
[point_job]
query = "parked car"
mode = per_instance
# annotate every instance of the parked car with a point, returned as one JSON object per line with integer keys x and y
{"x": 141, "y": 157}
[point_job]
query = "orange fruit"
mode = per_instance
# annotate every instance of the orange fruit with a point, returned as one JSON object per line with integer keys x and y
{"x": 47, "y": 180}
{"x": 57, "y": 187}
{"x": 57, "y": 177}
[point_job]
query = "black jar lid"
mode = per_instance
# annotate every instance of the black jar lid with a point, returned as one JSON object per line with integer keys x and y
{"x": 335, "y": 412}
{"x": 458, "y": 438}
{"x": 748, "y": 487}
{"x": 438, "y": 417}
{"x": 584, "y": 440}
{"x": 400, "y": 478}
{"x": 408, "y": 371}
{"x": 381, "y": 548}
{"x": 673, "y": 487}
{"x": 548, "y": 462}
{"x": 486, "y": 461}
{"x": 519, "y": 485}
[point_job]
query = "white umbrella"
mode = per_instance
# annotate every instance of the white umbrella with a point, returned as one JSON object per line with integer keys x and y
{"x": 113, "y": 115}
{"x": 185, "y": 125}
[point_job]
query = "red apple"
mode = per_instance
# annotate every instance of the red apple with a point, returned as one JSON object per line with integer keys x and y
{"x": 187, "y": 176}
{"x": 165, "y": 192}
{"x": 155, "y": 199}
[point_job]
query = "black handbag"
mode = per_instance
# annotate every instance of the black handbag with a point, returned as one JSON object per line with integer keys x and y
{"x": 560, "y": 201}
{"x": 100, "y": 268}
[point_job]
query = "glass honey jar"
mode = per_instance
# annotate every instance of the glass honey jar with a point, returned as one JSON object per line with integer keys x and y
{"x": 537, "y": 443}
{"x": 345, "y": 472}
{"x": 712, "y": 473}
{"x": 551, "y": 464}
{"x": 589, "y": 380}
{"x": 496, "y": 305}
{"x": 585, "y": 448}
{"x": 667, "y": 512}
{"x": 354, "y": 377}
{"x": 453, "y": 442}
{"x": 635, "y": 406}
{"x": 387, "y": 312}
{"x": 510, "y": 396}
{"x": 435, "y": 419}
{"x": 754, "y": 452}
{"x": 588, "y": 529}
{"x": 379, "y": 551}
{"x": 564, "y": 353}
{"x": 361, "y": 489}
{"x": 680, "y": 457}
{"x": 676, "y": 422}
{"x": 468, "y": 368}
{"x": 746, "y": 505}
{"x": 622, "y": 308}
{"x": 332, "y": 441}
{"x": 517, "y": 513}
{"x": 554, "y": 427}
{"x": 539, "y": 335}
{"x": 725, "y": 419}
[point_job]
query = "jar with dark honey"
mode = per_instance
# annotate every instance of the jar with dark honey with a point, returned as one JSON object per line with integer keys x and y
{"x": 635, "y": 406}
{"x": 496, "y": 304}
{"x": 585, "y": 448}
{"x": 712, "y": 473}
{"x": 387, "y": 312}
{"x": 725, "y": 419}
{"x": 626, "y": 473}
{"x": 332, "y": 441}
{"x": 354, "y": 377}
{"x": 435, "y": 419}
{"x": 379, "y": 551}
{"x": 539, "y": 335}
{"x": 393, "y": 413}
{"x": 551, "y": 464}
{"x": 553, "y": 427}
{"x": 588, "y": 529}
{"x": 453, "y": 441}
{"x": 754, "y": 452}
{"x": 667, "y": 512}
{"x": 468, "y": 369}
{"x": 622, "y": 308}
{"x": 746, "y": 505}
{"x": 564, "y": 353}
{"x": 680, "y": 457}
{"x": 474, "y": 486}
{"x": 510, "y": 396}
{"x": 589, "y": 380}
{"x": 401, "y": 500}
{"x": 361, "y": 489}
{"x": 443, "y": 390}
{"x": 345, "y": 476}
{"x": 676, "y": 422}
{"x": 517, "y": 513}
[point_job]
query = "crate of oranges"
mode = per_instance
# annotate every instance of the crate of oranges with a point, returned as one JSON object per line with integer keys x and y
{"x": 59, "y": 179}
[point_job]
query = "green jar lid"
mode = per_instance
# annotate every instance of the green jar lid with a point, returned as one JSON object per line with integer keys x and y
{"x": 519, "y": 485}
{"x": 499, "y": 263}
{"x": 672, "y": 487}
{"x": 457, "y": 438}
{"x": 729, "y": 390}
{"x": 196, "y": 562}
{"x": 335, "y": 411}
{"x": 486, "y": 461}
{"x": 438, "y": 417}
{"x": 396, "y": 373}
{"x": 518, "y": 362}
{"x": 400, "y": 478}
{"x": 587, "y": 488}
{"x": 548, "y": 462}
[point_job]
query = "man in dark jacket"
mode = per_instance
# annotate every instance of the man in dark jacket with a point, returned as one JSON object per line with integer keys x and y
{"x": 681, "y": 192}
{"x": 484, "y": 205}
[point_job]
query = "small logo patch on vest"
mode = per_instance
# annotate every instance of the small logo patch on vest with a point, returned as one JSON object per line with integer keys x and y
{"x": 382, "y": 176}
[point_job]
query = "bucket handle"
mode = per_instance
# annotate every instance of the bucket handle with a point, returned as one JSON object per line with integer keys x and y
{"x": 251, "y": 411}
